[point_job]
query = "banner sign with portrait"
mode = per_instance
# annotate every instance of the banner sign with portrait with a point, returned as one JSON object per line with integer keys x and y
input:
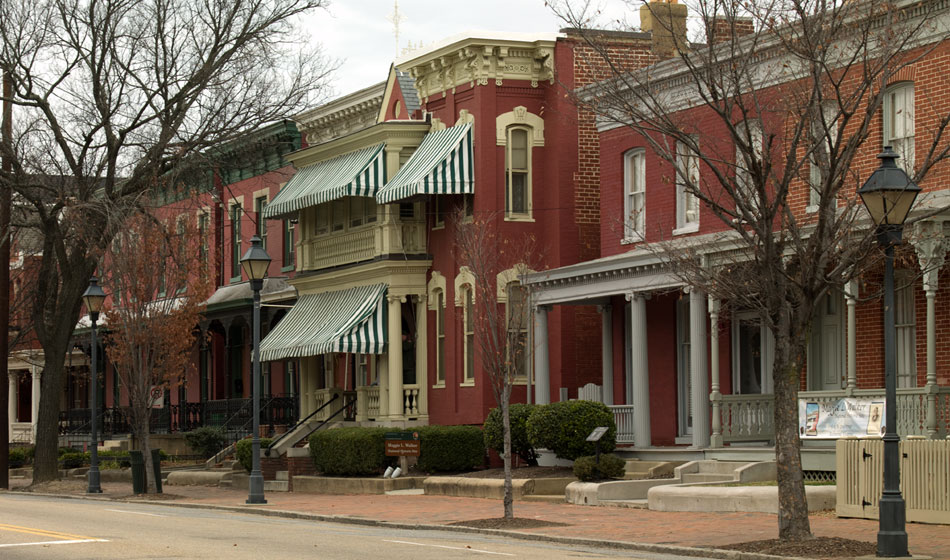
{"x": 840, "y": 418}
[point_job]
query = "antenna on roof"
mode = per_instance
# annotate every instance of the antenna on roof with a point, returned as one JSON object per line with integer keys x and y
{"x": 396, "y": 17}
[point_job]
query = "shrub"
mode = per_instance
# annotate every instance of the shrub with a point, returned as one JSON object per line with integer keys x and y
{"x": 587, "y": 469}
{"x": 64, "y": 450}
{"x": 114, "y": 459}
{"x": 349, "y": 451}
{"x": 450, "y": 448}
{"x": 520, "y": 444}
{"x": 563, "y": 428}
{"x": 242, "y": 451}
{"x": 74, "y": 460}
{"x": 206, "y": 441}
{"x": 19, "y": 456}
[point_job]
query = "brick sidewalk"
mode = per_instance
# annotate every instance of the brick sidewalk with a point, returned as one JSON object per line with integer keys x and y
{"x": 599, "y": 523}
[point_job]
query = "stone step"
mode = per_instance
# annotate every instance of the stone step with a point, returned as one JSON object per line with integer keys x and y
{"x": 276, "y": 486}
{"x": 690, "y": 478}
{"x": 282, "y": 475}
{"x": 635, "y": 469}
{"x": 720, "y": 467}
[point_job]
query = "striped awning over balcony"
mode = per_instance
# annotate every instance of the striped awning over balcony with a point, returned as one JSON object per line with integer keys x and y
{"x": 441, "y": 165}
{"x": 359, "y": 173}
{"x": 351, "y": 321}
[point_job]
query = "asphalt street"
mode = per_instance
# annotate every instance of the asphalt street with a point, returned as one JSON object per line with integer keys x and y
{"x": 37, "y": 527}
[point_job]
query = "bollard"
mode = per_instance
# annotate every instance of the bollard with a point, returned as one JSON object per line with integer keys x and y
{"x": 157, "y": 469}
{"x": 137, "y": 459}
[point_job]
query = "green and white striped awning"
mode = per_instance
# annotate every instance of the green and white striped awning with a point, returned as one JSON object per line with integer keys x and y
{"x": 359, "y": 173}
{"x": 441, "y": 165}
{"x": 352, "y": 321}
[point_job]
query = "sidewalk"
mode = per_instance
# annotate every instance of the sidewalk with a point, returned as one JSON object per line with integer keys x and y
{"x": 686, "y": 529}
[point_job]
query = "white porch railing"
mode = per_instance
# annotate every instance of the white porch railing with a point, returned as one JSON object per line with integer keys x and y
{"x": 623, "y": 417}
{"x": 321, "y": 397}
{"x": 411, "y": 404}
{"x": 751, "y": 417}
{"x": 21, "y": 432}
{"x": 367, "y": 403}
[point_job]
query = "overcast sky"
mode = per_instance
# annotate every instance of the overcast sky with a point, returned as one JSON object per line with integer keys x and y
{"x": 359, "y": 32}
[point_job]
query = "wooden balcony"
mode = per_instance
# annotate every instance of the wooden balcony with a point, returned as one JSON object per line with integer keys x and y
{"x": 362, "y": 244}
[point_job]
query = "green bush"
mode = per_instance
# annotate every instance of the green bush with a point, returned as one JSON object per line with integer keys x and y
{"x": 74, "y": 460}
{"x": 65, "y": 450}
{"x": 450, "y": 448}
{"x": 520, "y": 444}
{"x": 350, "y": 451}
{"x": 563, "y": 428}
{"x": 586, "y": 468}
{"x": 206, "y": 441}
{"x": 19, "y": 456}
{"x": 114, "y": 459}
{"x": 242, "y": 451}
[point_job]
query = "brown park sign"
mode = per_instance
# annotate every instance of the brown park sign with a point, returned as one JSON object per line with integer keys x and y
{"x": 402, "y": 444}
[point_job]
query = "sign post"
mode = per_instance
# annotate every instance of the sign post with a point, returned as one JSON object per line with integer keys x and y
{"x": 595, "y": 437}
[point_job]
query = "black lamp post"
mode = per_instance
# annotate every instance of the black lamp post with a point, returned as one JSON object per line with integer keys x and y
{"x": 94, "y": 297}
{"x": 889, "y": 195}
{"x": 255, "y": 263}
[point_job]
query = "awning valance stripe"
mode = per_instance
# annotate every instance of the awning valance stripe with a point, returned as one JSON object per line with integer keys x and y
{"x": 352, "y": 321}
{"x": 441, "y": 165}
{"x": 359, "y": 173}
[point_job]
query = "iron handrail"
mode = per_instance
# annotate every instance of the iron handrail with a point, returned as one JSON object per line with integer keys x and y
{"x": 302, "y": 422}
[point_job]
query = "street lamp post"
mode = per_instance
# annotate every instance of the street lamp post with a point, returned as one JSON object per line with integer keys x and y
{"x": 94, "y": 297}
{"x": 255, "y": 263}
{"x": 888, "y": 196}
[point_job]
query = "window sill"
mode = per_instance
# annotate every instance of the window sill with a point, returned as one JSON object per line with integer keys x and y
{"x": 439, "y": 385}
{"x": 438, "y": 226}
{"x": 288, "y": 268}
{"x": 235, "y": 280}
{"x": 631, "y": 239}
{"x": 511, "y": 218}
{"x": 467, "y": 383}
{"x": 811, "y": 208}
{"x": 688, "y": 228}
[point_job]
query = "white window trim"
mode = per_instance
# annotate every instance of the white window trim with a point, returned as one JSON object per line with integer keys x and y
{"x": 758, "y": 138}
{"x": 904, "y": 295}
{"x": 687, "y": 172}
{"x": 631, "y": 179}
{"x": 468, "y": 377}
{"x": 828, "y": 115}
{"x": 905, "y": 88}
{"x": 464, "y": 277}
{"x": 766, "y": 349}
{"x": 528, "y": 215}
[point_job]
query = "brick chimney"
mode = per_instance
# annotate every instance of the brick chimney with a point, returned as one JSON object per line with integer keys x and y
{"x": 720, "y": 29}
{"x": 666, "y": 22}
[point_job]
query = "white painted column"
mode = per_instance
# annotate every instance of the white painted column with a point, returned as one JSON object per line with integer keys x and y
{"x": 607, "y": 353}
{"x": 11, "y": 404}
{"x": 422, "y": 355}
{"x": 395, "y": 356}
{"x": 382, "y": 377}
{"x": 35, "y": 396}
{"x": 930, "y": 290}
{"x": 850, "y": 298}
{"x": 304, "y": 376}
{"x": 542, "y": 367}
{"x": 640, "y": 371}
{"x": 715, "y": 397}
{"x": 699, "y": 386}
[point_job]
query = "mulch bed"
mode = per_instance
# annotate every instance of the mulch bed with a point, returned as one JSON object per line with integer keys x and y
{"x": 513, "y": 523}
{"x": 818, "y": 547}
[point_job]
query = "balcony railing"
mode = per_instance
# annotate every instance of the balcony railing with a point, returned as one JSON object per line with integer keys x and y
{"x": 623, "y": 418}
{"x": 362, "y": 244}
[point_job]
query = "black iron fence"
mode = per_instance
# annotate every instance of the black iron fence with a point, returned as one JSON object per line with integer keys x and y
{"x": 234, "y": 416}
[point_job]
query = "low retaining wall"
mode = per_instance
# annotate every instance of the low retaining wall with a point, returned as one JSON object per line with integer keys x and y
{"x": 593, "y": 493}
{"x": 338, "y": 485}
{"x": 762, "y": 499}
{"x": 493, "y": 488}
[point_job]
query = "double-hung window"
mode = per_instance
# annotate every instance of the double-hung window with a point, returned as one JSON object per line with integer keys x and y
{"x": 749, "y": 131}
{"x": 899, "y": 123}
{"x": 824, "y": 133}
{"x": 634, "y": 198}
{"x": 236, "y": 212}
{"x": 517, "y": 325}
{"x": 260, "y": 204}
{"x": 687, "y": 185}
{"x": 518, "y": 173}
{"x": 468, "y": 334}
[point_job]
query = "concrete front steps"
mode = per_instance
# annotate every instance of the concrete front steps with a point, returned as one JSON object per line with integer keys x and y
{"x": 634, "y": 493}
{"x": 222, "y": 474}
{"x": 635, "y": 469}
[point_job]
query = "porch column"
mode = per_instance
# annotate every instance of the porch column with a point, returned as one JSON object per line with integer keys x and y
{"x": 11, "y": 404}
{"x": 395, "y": 356}
{"x": 699, "y": 392}
{"x": 306, "y": 370}
{"x": 382, "y": 377}
{"x": 35, "y": 395}
{"x": 542, "y": 372}
{"x": 607, "y": 353}
{"x": 850, "y": 295}
{"x": 422, "y": 354}
{"x": 931, "y": 250}
{"x": 715, "y": 397}
{"x": 640, "y": 370}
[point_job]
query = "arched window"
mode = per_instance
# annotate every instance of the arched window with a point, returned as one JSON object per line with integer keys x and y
{"x": 518, "y": 173}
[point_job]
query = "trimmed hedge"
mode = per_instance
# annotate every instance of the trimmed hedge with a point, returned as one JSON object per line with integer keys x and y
{"x": 450, "y": 448}
{"x": 242, "y": 451}
{"x": 206, "y": 441}
{"x": 586, "y": 468}
{"x": 520, "y": 444}
{"x": 19, "y": 456}
{"x": 74, "y": 460}
{"x": 563, "y": 428}
{"x": 349, "y": 451}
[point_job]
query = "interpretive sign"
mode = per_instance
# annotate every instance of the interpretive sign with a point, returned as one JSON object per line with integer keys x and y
{"x": 840, "y": 418}
{"x": 402, "y": 444}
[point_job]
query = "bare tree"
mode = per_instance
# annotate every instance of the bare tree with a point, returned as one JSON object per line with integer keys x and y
{"x": 111, "y": 98}
{"x": 499, "y": 325}
{"x": 159, "y": 281}
{"x": 774, "y": 112}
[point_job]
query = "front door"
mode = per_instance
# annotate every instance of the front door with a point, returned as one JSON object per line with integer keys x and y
{"x": 826, "y": 349}
{"x": 752, "y": 350}
{"x": 683, "y": 404}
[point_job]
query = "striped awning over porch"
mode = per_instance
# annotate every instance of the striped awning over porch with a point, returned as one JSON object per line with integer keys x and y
{"x": 359, "y": 173}
{"x": 441, "y": 165}
{"x": 352, "y": 321}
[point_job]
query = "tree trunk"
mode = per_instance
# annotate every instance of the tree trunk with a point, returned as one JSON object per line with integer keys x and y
{"x": 141, "y": 435}
{"x": 46, "y": 452}
{"x": 793, "y": 524}
{"x": 506, "y": 456}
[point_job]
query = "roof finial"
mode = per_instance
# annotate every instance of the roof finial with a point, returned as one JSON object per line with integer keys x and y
{"x": 396, "y": 17}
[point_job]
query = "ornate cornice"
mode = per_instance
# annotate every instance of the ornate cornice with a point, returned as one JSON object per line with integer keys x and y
{"x": 342, "y": 116}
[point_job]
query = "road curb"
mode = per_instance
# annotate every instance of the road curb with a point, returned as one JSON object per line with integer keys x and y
{"x": 350, "y": 520}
